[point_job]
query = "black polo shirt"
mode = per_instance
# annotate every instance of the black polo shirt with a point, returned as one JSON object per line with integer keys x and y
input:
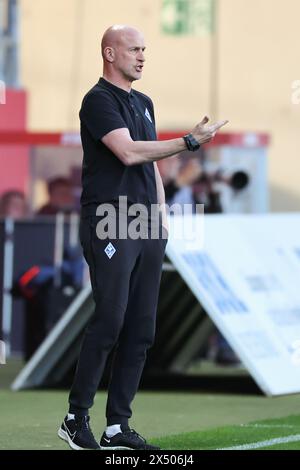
{"x": 105, "y": 108}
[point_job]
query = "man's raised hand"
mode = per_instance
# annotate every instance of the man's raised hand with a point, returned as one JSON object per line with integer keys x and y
{"x": 203, "y": 133}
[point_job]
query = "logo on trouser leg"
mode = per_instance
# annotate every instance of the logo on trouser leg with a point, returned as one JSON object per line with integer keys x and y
{"x": 110, "y": 250}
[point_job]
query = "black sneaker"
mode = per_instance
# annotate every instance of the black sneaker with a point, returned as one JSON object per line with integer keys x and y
{"x": 77, "y": 433}
{"x": 127, "y": 439}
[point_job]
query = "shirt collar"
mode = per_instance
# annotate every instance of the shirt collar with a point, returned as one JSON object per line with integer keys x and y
{"x": 115, "y": 88}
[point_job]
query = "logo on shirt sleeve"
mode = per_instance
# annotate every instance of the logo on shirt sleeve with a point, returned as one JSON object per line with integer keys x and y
{"x": 147, "y": 114}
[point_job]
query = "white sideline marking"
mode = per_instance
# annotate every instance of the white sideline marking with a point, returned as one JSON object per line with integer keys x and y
{"x": 269, "y": 426}
{"x": 270, "y": 442}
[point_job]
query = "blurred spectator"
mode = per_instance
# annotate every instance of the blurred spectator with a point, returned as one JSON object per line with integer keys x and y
{"x": 178, "y": 179}
{"x": 61, "y": 197}
{"x": 186, "y": 182}
{"x": 13, "y": 204}
{"x": 45, "y": 301}
{"x": 189, "y": 183}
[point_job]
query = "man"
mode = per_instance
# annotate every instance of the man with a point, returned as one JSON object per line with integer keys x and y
{"x": 120, "y": 150}
{"x": 61, "y": 197}
{"x": 13, "y": 204}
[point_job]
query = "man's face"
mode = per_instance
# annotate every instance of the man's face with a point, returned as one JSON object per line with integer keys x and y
{"x": 129, "y": 55}
{"x": 61, "y": 196}
{"x": 16, "y": 208}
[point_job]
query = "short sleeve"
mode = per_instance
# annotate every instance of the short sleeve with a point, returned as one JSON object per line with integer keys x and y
{"x": 100, "y": 114}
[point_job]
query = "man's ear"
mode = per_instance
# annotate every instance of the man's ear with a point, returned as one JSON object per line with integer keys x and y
{"x": 109, "y": 54}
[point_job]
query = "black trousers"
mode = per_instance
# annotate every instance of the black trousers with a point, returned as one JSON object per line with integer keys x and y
{"x": 125, "y": 289}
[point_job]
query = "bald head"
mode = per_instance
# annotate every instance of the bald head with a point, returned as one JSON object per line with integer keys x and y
{"x": 116, "y": 35}
{"x": 122, "y": 49}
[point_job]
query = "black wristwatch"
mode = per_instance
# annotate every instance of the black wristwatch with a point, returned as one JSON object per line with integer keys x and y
{"x": 191, "y": 143}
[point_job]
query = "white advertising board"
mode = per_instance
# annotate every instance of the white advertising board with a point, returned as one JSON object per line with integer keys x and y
{"x": 245, "y": 271}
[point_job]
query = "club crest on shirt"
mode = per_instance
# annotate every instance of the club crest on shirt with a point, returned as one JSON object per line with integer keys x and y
{"x": 110, "y": 250}
{"x": 147, "y": 114}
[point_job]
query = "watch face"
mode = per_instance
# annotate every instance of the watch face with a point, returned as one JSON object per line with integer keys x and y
{"x": 194, "y": 143}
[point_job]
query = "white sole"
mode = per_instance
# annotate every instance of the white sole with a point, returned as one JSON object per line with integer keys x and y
{"x": 65, "y": 437}
{"x": 116, "y": 448}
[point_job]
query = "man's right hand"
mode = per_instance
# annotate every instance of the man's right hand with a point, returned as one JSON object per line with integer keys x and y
{"x": 203, "y": 133}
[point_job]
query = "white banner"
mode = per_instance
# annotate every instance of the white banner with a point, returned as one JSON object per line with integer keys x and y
{"x": 246, "y": 275}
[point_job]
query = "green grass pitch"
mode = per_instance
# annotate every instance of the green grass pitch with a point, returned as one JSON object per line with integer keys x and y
{"x": 175, "y": 421}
